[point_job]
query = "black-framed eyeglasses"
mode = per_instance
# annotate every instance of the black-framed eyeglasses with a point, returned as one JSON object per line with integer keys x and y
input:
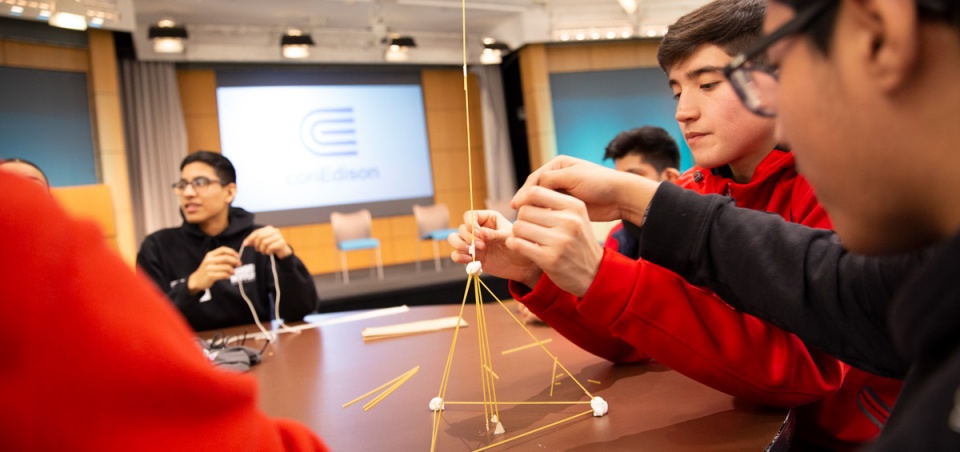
{"x": 199, "y": 183}
{"x": 754, "y": 80}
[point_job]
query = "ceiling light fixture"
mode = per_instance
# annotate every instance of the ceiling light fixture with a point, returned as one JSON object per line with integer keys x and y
{"x": 493, "y": 51}
{"x": 629, "y": 6}
{"x": 167, "y": 37}
{"x": 68, "y": 20}
{"x": 296, "y": 44}
{"x": 397, "y": 47}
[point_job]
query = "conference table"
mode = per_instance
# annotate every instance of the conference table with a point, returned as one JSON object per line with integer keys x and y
{"x": 310, "y": 375}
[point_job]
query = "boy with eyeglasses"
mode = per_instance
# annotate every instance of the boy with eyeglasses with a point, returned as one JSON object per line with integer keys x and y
{"x": 199, "y": 267}
{"x": 629, "y": 311}
{"x": 864, "y": 86}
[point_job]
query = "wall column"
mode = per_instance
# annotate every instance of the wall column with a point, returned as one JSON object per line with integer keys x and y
{"x": 110, "y": 148}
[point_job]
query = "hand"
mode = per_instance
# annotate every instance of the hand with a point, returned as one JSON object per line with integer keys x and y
{"x": 269, "y": 240}
{"x": 554, "y": 231}
{"x": 489, "y": 235}
{"x": 608, "y": 194}
{"x": 523, "y": 312}
{"x": 217, "y": 265}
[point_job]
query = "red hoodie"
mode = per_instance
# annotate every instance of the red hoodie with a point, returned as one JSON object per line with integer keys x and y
{"x": 96, "y": 359}
{"x": 634, "y": 311}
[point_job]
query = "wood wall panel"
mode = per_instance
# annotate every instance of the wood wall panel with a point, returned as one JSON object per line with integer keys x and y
{"x": 41, "y": 56}
{"x": 109, "y": 139}
{"x": 444, "y": 109}
{"x": 198, "y": 99}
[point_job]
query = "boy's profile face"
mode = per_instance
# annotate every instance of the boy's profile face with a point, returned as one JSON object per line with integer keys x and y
{"x": 207, "y": 203}
{"x": 831, "y": 113}
{"x": 717, "y": 127}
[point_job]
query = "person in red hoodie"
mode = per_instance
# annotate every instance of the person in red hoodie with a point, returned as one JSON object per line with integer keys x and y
{"x": 97, "y": 359}
{"x": 626, "y": 310}
{"x": 646, "y": 151}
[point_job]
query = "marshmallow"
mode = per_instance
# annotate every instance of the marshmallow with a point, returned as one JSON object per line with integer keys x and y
{"x": 599, "y": 406}
{"x": 474, "y": 268}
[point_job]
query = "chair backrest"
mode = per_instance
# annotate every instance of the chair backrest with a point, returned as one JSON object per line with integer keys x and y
{"x": 431, "y": 218}
{"x": 351, "y": 226}
{"x": 90, "y": 202}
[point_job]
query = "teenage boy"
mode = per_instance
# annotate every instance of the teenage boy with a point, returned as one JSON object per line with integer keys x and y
{"x": 864, "y": 86}
{"x": 139, "y": 381}
{"x": 629, "y": 311}
{"x": 646, "y": 151}
{"x": 199, "y": 267}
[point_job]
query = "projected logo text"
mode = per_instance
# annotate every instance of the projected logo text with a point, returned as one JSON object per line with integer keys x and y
{"x": 330, "y": 131}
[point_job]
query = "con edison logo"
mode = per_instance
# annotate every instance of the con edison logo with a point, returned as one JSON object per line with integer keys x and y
{"x": 330, "y": 131}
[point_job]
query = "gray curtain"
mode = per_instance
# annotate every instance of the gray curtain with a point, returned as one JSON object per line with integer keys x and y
{"x": 156, "y": 142}
{"x": 501, "y": 182}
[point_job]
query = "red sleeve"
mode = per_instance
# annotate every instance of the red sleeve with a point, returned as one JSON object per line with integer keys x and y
{"x": 558, "y": 309}
{"x": 695, "y": 333}
{"x": 96, "y": 357}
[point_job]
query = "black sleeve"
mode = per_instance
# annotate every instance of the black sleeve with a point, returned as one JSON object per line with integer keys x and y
{"x": 298, "y": 292}
{"x": 149, "y": 261}
{"x": 798, "y": 278}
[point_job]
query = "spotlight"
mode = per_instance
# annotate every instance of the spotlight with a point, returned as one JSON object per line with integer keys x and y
{"x": 397, "y": 47}
{"x": 296, "y": 44}
{"x": 167, "y": 37}
{"x": 68, "y": 20}
{"x": 493, "y": 51}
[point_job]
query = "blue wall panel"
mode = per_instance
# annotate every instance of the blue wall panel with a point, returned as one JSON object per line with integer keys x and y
{"x": 45, "y": 118}
{"x": 590, "y": 108}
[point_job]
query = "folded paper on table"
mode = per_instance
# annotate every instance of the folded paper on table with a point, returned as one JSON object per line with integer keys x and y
{"x": 404, "y": 329}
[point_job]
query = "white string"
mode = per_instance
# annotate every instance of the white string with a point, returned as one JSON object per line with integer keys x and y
{"x": 253, "y": 310}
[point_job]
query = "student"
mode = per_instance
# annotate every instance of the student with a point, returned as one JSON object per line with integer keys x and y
{"x": 864, "y": 86}
{"x": 199, "y": 267}
{"x": 26, "y": 169}
{"x": 629, "y": 311}
{"x": 646, "y": 151}
{"x": 136, "y": 380}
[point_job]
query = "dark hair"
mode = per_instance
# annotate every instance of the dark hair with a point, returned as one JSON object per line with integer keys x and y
{"x": 821, "y": 32}
{"x": 27, "y": 162}
{"x": 220, "y": 164}
{"x": 654, "y": 144}
{"x": 731, "y": 25}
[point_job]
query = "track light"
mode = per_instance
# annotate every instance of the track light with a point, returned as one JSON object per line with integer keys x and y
{"x": 68, "y": 20}
{"x": 493, "y": 51}
{"x": 397, "y": 47}
{"x": 296, "y": 44}
{"x": 167, "y": 37}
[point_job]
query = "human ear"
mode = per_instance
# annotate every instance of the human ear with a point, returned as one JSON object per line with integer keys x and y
{"x": 887, "y": 35}
{"x": 670, "y": 175}
{"x": 231, "y": 192}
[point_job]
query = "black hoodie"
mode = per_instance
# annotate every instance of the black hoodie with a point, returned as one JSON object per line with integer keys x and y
{"x": 169, "y": 256}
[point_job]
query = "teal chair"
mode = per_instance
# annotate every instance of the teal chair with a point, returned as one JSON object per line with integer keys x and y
{"x": 433, "y": 223}
{"x": 351, "y": 231}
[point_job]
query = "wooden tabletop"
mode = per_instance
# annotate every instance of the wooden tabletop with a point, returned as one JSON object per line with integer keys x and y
{"x": 309, "y": 376}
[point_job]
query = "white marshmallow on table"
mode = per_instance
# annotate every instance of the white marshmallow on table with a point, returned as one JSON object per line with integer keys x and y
{"x": 599, "y": 406}
{"x": 436, "y": 404}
